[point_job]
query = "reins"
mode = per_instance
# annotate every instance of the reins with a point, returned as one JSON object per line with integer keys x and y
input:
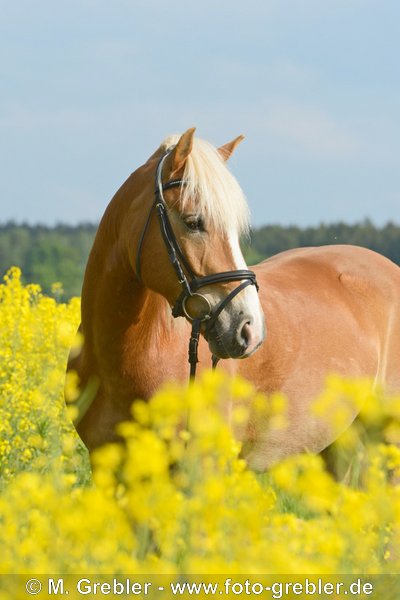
{"x": 189, "y": 282}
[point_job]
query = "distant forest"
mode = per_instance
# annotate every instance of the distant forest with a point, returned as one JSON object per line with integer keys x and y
{"x": 58, "y": 254}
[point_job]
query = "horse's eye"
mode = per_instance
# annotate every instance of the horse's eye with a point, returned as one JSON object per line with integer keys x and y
{"x": 194, "y": 223}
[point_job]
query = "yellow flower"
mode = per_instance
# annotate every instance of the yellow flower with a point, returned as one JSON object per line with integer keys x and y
{"x": 176, "y": 496}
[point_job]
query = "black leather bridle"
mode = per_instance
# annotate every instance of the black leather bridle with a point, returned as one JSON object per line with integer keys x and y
{"x": 188, "y": 280}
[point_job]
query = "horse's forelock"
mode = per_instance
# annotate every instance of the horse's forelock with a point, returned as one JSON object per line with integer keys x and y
{"x": 218, "y": 195}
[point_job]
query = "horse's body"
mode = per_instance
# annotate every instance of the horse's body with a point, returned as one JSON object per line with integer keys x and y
{"x": 334, "y": 309}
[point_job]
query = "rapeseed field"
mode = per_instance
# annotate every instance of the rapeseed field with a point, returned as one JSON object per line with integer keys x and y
{"x": 178, "y": 499}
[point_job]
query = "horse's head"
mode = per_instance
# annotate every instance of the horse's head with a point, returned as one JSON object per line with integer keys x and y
{"x": 187, "y": 245}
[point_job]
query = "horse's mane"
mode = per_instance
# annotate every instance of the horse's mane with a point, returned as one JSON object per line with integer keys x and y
{"x": 218, "y": 195}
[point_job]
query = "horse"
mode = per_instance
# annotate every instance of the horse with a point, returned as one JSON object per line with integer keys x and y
{"x": 170, "y": 237}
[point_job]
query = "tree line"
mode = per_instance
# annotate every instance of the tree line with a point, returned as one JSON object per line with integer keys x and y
{"x": 58, "y": 254}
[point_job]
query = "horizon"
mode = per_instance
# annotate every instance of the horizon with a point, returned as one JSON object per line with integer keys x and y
{"x": 361, "y": 222}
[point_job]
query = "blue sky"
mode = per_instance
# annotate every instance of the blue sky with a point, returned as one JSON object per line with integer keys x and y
{"x": 89, "y": 88}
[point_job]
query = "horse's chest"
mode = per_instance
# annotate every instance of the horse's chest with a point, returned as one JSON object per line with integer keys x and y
{"x": 144, "y": 369}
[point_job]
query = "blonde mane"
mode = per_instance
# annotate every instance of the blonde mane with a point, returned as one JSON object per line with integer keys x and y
{"x": 219, "y": 197}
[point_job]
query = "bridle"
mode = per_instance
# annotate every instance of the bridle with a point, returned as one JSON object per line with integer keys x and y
{"x": 188, "y": 280}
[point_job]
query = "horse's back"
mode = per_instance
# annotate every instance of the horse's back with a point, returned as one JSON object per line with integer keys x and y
{"x": 341, "y": 258}
{"x": 348, "y": 272}
{"x": 338, "y": 302}
{"x": 340, "y": 289}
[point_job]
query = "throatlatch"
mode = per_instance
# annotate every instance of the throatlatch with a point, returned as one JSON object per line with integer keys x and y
{"x": 189, "y": 282}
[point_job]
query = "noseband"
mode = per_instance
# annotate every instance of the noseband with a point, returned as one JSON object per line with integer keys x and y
{"x": 188, "y": 280}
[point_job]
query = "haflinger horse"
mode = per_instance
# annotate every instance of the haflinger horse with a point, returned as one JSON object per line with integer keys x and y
{"x": 170, "y": 238}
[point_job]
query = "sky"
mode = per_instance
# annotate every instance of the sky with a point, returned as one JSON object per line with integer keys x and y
{"x": 90, "y": 88}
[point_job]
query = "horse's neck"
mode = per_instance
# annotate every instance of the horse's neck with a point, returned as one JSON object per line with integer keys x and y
{"x": 123, "y": 322}
{"x": 114, "y": 298}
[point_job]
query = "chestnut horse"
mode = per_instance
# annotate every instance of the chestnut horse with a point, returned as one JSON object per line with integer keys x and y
{"x": 334, "y": 309}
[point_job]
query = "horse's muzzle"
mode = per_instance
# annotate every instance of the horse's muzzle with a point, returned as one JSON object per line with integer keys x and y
{"x": 239, "y": 340}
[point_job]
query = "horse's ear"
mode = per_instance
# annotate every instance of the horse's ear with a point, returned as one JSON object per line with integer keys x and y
{"x": 181, "y": 151}
{"x": 226, "y": 150}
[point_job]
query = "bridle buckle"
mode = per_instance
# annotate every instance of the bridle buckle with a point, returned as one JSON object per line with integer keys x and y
{"x": 204, "y": 315}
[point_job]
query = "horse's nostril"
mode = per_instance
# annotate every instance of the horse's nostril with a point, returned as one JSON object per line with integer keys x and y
{"x": 245, "y": 334}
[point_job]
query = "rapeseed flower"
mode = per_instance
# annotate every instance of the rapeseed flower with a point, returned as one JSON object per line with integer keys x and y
{"x": 176, "y": 496}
